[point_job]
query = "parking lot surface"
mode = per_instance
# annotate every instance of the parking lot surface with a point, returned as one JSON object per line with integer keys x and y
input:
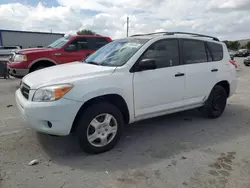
{"x": 173, "y": 151}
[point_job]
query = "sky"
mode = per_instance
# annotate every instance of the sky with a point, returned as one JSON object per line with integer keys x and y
{"x": 226, "y": 19}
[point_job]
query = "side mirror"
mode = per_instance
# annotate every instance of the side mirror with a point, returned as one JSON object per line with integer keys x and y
{"x": 71, "y": 48}
{"x": 146, "y": 64}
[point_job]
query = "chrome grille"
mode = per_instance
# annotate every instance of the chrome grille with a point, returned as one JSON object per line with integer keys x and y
{"x": 25, "y": 90}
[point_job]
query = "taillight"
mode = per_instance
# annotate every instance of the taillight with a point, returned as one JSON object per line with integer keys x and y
{"x": 233, "y": 63}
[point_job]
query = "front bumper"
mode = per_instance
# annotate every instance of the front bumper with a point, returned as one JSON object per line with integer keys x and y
{"x": 18, "y": 68}
{"x": 55, "y": 118}
{"x": 18, "y": 72}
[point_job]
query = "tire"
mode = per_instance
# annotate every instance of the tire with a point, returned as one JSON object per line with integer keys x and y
{"x": 38, "y": 68}
{"x": 83, "y": 128}
{"x": 216, "y": 103}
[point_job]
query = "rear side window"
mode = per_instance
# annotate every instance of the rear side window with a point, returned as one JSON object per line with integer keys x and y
{"x": 8, "y": 47}
{"x": 194, "y": 51}
{"x": 96, "y": 43}
{"x": 216, "y": 51}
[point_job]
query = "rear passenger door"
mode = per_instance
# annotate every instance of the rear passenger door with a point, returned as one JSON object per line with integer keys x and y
{"x": 200, "y": 76}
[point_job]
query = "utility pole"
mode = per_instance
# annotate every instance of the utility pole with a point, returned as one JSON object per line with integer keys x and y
{"x": 127, "y": 25}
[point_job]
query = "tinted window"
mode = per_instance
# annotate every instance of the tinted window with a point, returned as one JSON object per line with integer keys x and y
{"x": 194, "y": 51}
{"x": 209, "y": 55}
{"x": 96, "y": 43}
{"x": 216, "y": 50}
{"x": 80, "y": 44}
{"x": 8, "y": 47}
{"x": 165, "y": 53}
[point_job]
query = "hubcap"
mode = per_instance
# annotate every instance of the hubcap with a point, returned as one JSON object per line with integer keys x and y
{"x": 102, "y": 130}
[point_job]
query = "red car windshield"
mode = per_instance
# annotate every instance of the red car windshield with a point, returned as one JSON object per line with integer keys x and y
{"x": 59, "y": 43}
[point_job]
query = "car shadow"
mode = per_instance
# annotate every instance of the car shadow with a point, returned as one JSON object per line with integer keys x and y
{"x": 155, "y": 139}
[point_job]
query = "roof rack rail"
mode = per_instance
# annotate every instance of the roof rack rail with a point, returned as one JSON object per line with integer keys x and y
{"x": 172, "y": 33}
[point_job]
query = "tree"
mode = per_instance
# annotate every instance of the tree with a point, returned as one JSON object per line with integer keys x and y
{"x": 232, "y": 45}
{"x": 235, "y": 45}
{"x": 248, "y": 45}
{"x": 86, "y": 32}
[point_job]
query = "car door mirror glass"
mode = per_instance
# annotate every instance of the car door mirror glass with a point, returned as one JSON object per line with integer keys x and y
{"x": 71, "y": 48}
{"x": 146, "y": 64}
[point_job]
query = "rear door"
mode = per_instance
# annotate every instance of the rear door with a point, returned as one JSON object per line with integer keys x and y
{"x": 200, "y": 71}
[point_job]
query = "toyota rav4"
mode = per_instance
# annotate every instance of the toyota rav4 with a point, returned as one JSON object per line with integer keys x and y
{"x": 128, "y": 80}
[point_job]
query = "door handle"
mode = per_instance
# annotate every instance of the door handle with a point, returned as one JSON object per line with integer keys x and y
{"x": 214, "y": 70}
{"x": 57, "y": 54}
{"x": 179, "y": 74}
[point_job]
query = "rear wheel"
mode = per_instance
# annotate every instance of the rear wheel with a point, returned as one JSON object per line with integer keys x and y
{"x": 99, "y": 128}
{"x": 216, "y": 103}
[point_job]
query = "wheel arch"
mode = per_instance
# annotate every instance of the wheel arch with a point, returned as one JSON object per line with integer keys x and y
{"x": 45, "y": 61}
{"x": 225, "y": 84}
{"x": 114, "y": 99}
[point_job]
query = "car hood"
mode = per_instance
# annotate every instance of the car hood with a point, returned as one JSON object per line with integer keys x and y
{"x": 34, "y": 50}
{"x": 66, "y": 73}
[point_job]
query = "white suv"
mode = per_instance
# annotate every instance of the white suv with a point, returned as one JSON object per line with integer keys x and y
{"x": 127, "y": 80}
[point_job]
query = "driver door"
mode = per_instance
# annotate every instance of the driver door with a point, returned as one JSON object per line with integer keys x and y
{"x": 160, "y": 89}
{"x": 77, "y": 50}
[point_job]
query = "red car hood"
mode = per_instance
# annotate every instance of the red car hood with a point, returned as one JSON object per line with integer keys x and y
{"x": 35, "y": 50}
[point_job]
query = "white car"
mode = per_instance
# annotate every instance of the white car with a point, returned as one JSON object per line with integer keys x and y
{"x": 128, "y": 80}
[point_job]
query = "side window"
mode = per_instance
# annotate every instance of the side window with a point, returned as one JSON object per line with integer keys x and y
{"x": 194, "y": 51}
{"x": 209, "y": 55}
{"x": 78, "y": 44}
{"x": 81, "y": 44}
{"x": 216, "y": 50}
{"x": 96, "y": 43}
{"x": 165, "y": 53}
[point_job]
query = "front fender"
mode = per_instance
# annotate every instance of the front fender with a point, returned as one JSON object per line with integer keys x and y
{"x": 125, "y": 94}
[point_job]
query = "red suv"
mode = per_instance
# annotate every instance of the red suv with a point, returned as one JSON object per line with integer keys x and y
{"x": 64, "y": 50}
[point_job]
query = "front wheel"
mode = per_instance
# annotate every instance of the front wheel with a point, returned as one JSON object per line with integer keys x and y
{"x": 99, "y": 128}
{"x": 216, "y": 103}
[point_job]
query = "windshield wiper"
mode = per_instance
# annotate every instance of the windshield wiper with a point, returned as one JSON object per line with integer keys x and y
{"x": 92, "y": 63}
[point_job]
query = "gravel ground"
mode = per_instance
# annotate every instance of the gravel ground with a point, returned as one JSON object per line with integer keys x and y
{"x": 174, "y": 151}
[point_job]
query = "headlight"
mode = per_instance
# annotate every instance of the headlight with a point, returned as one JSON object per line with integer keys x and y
{"x": 20, "y": 57}
{"x": 51, "y": 93}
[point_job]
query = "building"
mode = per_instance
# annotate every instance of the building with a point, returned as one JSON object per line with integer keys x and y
{"x": 27, "y": 39}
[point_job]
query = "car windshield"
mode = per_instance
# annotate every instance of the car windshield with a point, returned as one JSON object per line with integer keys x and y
{"x": 59, "y": 43}
{"x": 116, "y": 53}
